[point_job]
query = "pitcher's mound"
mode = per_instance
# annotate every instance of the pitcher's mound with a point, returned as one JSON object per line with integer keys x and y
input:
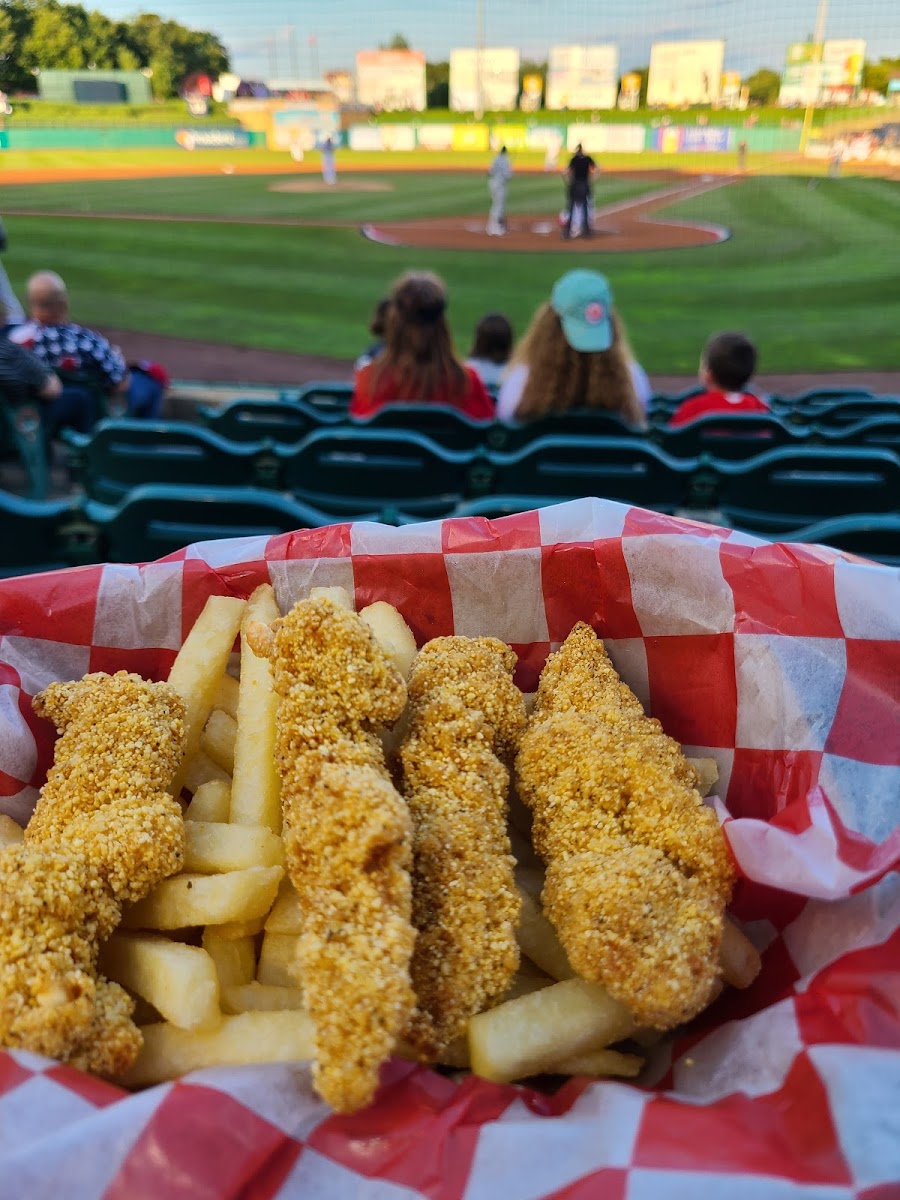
{"x": 319, "y": 185}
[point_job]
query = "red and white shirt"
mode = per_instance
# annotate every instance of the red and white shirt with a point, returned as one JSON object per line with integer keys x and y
{"x": 716, "y": 402}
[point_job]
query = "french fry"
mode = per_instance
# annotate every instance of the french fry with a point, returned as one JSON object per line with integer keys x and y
{"x": 392, "y": 633}
{"x": 337, "y": 595}
{"x": 285, "y": 915}
{"x": 200, "y": 665}
{"x": 201, "y": 769}
{"x": 708, "y": 770}
{"x": 206, "y": 899}
{"x": 530, "y": 1035}
{"x": 277, "y": 960}
{"x": 217, "y": 739}
{"x": 211, "y": 846}
{"x": 11, "y": 832}
{"x": 230, "y": 930}
{"x": 226, "y": 696}
{"x": 601, "y": 1062}
{"x": 250, "y": 1037}
{"x": 538, "y": 940}
{"x": 179, "y": 981}
{"x": 211, "y": 802}
{"x": 261, "y": 997}
{"x": 740, "y": 959}
{"x": 234, "y": 958}
{"x": 256, "y": 787}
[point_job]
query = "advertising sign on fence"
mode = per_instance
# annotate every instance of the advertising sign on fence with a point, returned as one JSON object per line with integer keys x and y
{"x": 435, "y": 137}
{"x": 212, "y": 139}
{"x": 606, "y": 139}
{"x": 471, "y": 137}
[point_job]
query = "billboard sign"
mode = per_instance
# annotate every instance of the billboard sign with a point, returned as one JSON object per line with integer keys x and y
{"x": 391, "y": 80}
{"x": 685, "y": 73}
{"x": 484, "y": 80}
{"x": 811, "y": 71}
{"x": 301, "y": 126}
{"x": 583, "y": 77}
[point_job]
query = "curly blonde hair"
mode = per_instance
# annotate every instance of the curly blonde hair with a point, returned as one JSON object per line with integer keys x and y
{"x": 560, "y": 378}
{"x": 418, "y": 355}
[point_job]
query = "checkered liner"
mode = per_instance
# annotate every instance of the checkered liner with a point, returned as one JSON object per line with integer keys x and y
{"x": 782, "y": 662}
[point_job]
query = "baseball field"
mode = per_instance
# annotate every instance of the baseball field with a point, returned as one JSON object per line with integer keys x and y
{"x": 251, "y": 250}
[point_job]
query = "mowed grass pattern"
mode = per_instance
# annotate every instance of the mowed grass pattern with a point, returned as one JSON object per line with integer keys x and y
{"x": 808, "y": 272}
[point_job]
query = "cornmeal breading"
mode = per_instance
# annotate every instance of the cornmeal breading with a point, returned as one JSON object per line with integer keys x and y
{"x": 103, "y": 834}
{"x": 465, "y": 714}
{"x": 638, "y": 873}
{"x": 347, "y": 839}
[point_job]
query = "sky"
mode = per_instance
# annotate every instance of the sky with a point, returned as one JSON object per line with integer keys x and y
{"x": 267, "y": 34}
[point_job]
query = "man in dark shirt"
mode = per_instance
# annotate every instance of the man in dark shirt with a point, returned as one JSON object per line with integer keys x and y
{"x": 578, "y": 177}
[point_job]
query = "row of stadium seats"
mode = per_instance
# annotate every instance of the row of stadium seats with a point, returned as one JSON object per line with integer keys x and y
{"x": 344, "y": 470}
{"x": 730, "y": 436}
{"x": 157, "y": 520}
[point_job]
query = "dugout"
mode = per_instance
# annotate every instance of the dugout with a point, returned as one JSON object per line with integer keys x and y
{"x": 94, "y": 87}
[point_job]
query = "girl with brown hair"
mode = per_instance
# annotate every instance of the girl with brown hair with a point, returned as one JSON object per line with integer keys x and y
{"x": 575, "y": 355}
{"x": 418, "y": 362}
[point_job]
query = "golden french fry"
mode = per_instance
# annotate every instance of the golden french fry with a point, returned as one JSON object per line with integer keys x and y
{"x": 261, "y": 997}
{"x": 740, "y": 959}
{"x": 530, "y": 1035}
{"x": 337, "y": 595}
{"x": 708, "y": 771}
{"x": 11, "y": 832}
{"x": 278, "y": 959}
{"x": 538, "y": 940}
{"x": 179, "y": 981}
{"x": 200, "y": 665}
{"x": 217, "y": 739}
{"x": 250, "y": 1037}
{"x": 256, "y": 787}
{"x": 392, "y": 633}
{"x": 226, "y": 696}
{"x": 234, "y": 958}
{"x": 200, "y": 770}
{"x": 241, "y": 929}
{"x": 206, "y": 899}
{"x": 211, "y": 846}
{"x": 600, "y": 1062}
{"x": 211, "y": 802}
{"x": 285, "y": 915}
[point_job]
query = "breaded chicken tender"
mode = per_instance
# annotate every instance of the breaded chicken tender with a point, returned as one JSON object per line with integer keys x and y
{"x": 466, "y": 716}
{"x": 104, "y": 833}
{"x": 638, "y": 872}
{"x": 347, "y": 837}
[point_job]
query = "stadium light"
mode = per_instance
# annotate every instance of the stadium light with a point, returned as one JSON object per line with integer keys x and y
{"x": 479, "y": 59}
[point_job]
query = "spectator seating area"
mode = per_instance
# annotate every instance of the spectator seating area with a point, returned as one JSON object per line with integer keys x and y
{"x": 825, "y": 461}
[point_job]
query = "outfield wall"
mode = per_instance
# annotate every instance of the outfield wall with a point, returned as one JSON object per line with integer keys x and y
{"x": 134, "y": 137}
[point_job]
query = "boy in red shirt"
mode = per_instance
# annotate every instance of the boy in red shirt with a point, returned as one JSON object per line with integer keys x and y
{"x": 726, "y": 367}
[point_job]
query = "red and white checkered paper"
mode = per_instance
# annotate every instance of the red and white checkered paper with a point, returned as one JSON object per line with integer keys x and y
{"x": 782, "y": 662}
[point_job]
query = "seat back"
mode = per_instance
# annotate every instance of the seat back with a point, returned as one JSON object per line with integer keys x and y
{"x": 626, "y": 469}
{"x": 120, "y": 455}
{"x": 352, "y": 470}
{"x": 790, "y": 487}
{"x": 32, "y": 540}
{"x": 729, "y": 436}
{"x": 23, "y": 435}
{"x": 282, "y": 421}
{"x": 878, "y": 432}
{"x": 578, "y": 422}
{"x": 442, "y": 423}
{"x": 850, "y": 412}
{"x": 870, "y": 535}
{"x": 325, "y": 397}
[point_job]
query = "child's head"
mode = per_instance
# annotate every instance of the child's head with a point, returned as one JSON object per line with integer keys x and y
{"x": 493, "y": 339}
{"x": 728, "y": 362}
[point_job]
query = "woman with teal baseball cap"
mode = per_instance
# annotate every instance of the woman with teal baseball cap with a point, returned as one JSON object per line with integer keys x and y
{"x": 575, "y": 355}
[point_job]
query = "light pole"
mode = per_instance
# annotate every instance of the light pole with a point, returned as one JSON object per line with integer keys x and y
{"x": 818, "y": 40}
{"x": 479, "y": 59}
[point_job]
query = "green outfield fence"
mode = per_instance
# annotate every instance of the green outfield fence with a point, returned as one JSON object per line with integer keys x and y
{"x": 135, "y": 137}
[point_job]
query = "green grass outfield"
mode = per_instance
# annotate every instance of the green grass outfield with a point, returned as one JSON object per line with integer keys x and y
{"x": 808, "y": 272}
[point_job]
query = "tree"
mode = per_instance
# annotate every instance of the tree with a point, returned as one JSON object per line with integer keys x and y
{"x": 397, "y": 42}
{"x": 877, "y": 76}
{"x": 763, "y": 86}
{"x": 437, "y": 85}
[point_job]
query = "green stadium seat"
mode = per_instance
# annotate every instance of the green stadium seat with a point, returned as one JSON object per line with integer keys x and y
{"x": 869, "y": 535}
{"x": 626, "y": 469}
{"x": 325, "y": 397}
{"x": 23, "y": 436}
{"x": 851, "y": 412}
{"x": 879, "y": 432}
{"x": 34, "y": 535}
{"x": 493, "y": 507}
{"x": 283, "y": 421}
{"x": 728, "y": 436}
{"x": 118, "y": 456}
{"x": 788, "y": 488}
{"x": 578, "y": 422}
{"x": 350, "y": 470}
{"x": 443, "y": 424}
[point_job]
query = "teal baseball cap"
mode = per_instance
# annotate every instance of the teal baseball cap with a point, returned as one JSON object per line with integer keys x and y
{"x": 583, "y": 302}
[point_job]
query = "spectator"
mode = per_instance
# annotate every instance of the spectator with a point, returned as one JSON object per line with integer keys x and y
{"x": 726, "y": 367}
{"x": 23, "y": 377}
{"x": 418, "y": 362}
{"x": 491, "y": 348}
{"x": 574, "y": 355}
{"x": 376, "y": 328}
{"x": 9, "y": 303}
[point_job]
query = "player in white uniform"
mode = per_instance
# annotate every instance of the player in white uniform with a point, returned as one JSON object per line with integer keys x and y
{"x": 499, "y": 175}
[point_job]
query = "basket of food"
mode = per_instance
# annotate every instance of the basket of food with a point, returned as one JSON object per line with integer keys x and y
{"x": 541, "y": 857}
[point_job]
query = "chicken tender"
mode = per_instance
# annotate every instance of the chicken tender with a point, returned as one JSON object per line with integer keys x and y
{"x": 638, "y": 872}
{"x": 103, "y": 834}
{"x": 347, "y": 837}
{"x": 466, "y": 716}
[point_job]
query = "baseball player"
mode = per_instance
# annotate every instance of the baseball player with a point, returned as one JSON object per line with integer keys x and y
{"x": 499, "y": 175}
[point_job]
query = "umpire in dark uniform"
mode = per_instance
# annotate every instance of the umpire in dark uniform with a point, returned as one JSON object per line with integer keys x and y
{"x": 578, "y": 179}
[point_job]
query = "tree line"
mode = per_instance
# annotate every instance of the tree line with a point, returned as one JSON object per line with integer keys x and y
{"x": 43, "y": 35}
